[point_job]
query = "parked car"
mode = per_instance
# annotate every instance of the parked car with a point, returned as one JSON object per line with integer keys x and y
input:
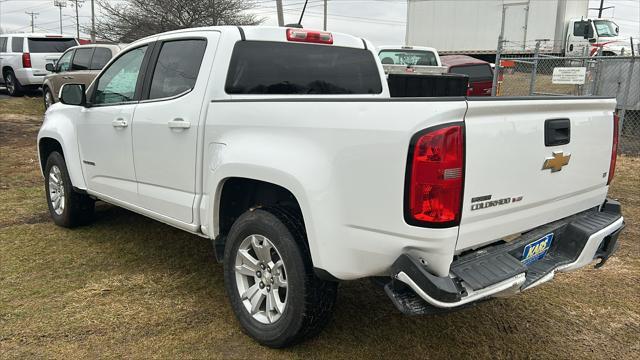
{"x": 480, "y": 72}
{"x": 23, "y": 58}
{"x": 285, "y": 148}
{"x": 79, "y": 64}
{"x": 420, "y": 60}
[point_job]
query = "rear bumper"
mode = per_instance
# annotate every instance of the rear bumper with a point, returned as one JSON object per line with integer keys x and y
{"x": 31, "y": 76}
{"x": 498, "y": 270}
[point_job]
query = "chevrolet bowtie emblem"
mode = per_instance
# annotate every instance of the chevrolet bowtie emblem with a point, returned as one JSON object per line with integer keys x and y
{"x": 556, "y": 162}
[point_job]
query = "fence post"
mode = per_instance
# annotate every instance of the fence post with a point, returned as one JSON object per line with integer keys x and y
{"x": 534, "y": 70}
{"x": 625, "y": 96}
{"x": 596, "y": 77}
{"x": 497, "y": 68}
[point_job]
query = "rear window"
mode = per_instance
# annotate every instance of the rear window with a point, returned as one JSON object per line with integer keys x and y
{"x": 408, "y": 57}
{"x": 50, "y": 45}
{"x": 265, "y": 67}
{"x": 474, "y": 72}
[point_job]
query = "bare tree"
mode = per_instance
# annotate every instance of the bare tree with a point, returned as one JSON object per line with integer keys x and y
{"x": 133, "y": 19}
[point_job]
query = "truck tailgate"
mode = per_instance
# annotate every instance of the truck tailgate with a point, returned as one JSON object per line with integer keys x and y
{"x": 507, "y": 190}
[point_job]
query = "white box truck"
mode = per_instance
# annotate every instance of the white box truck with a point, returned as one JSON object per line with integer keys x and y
{"x": 472, "y": 27}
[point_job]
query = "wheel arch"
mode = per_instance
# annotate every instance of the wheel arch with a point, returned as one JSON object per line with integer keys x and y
{"x": 58, "y": 134}
{"x": 238, "y": 194}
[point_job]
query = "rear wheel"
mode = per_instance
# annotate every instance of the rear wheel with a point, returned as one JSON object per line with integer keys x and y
{"x": 14, "y": 88}
{"x": 270, "y": 282}
{"x": 67, "y": 207}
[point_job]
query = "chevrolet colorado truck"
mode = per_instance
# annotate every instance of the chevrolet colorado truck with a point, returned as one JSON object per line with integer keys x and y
{"x": 284, "y": 147}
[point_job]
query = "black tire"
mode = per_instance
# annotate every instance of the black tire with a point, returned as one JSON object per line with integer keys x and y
{"x": 77, "y": 208}
{"x": 14, "y": 88}
{"x": 45, "y": 92}
{"x": 310, "y": 300}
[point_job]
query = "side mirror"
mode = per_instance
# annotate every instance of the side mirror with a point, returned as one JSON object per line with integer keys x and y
{"x": 73, "y": 94}
{"x": 50, "y": 67}
{"x": 617, "y": 30}
{"x": 588, "y": 30}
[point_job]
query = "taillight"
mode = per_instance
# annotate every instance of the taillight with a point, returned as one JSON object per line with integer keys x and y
{"x": 614, "y": 149}
{"x": 26, "y": 60}
{"x": 435, "y": 173}
{"x": 301, "y": 35}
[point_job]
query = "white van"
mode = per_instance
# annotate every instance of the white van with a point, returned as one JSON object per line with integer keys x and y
{"x": 23, "y": 58}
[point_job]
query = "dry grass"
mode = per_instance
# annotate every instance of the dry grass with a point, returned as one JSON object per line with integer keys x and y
{"x": 128, "y": 286}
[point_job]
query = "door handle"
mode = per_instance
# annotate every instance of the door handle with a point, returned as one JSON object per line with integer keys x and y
{"x": 557, "y": 132}
{"x": 179, "y": 123}
{"x": 119, "y": 123}
{"x": 68, "y": 77}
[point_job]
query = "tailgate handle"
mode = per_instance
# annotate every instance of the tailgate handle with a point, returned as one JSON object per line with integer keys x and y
{"x": 557, "y": 132}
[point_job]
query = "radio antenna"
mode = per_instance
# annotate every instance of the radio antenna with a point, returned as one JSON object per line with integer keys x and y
{"x": 302, "y": 14}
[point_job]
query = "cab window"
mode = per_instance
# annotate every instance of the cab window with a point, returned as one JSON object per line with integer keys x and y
{"x": 3, "y": 44}
{"x": 118, "y": 82}
{"x": 578, "y": 28}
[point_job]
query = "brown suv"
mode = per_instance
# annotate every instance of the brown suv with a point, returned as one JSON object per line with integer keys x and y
{"x": 78, "y": 65}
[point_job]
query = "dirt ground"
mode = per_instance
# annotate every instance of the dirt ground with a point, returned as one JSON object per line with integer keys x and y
{"x": 128, "y": 286}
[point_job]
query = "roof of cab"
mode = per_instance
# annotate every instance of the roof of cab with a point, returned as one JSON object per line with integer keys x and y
{"x": 268, "y": 33}
{"x": 459, "y": 60}
{"x": 405, "y": 47}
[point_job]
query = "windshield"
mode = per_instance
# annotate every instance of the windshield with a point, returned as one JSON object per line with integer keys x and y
{"x": 408, "y": 57}
{"x": 606, "y": 28}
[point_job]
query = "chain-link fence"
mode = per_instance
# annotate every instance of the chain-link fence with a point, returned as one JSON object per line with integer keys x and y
{"x": 598, "y": 75}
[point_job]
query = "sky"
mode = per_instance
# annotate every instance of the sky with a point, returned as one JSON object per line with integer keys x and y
{"x": 381, "y": 21}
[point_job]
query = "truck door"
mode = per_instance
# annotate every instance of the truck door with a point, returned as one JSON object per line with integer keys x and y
{"x": 104, "y": 129}
{"x": 576, "y": 43}
{"x": 165, "y": 128}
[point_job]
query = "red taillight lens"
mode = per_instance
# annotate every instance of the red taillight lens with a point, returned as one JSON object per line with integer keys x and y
{"x": 436, "y": 172}
{"x": 614, "y": 150}
{"x": 26, "y": 60}
{"x": 320, "y": 37}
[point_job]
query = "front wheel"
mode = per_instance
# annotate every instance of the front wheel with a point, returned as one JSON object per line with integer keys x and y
{"x": 48, "y": 98}
{"x": 269, "y": 279}
{"x": 67, "y": 207}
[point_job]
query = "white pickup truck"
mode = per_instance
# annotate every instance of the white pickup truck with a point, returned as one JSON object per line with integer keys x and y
{"x": 285, "y": 148}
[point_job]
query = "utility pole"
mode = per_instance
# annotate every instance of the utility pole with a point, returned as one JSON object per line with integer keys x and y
{"x": 60, "y": 4}
{"x": 325, "y": 16}
{"x": 600, "y": 9}
{"x": 93, "y": 22}
{"x": 280, "y": 15}
{"x": 33, "y": 16}
{"x": 77, "y": 3}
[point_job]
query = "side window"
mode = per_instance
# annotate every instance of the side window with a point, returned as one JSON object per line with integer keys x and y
{"x": 118, "y": 82}
{"x": 82, "y": 59}
{"x": 64, "y": 63}
{"x": 17, "y": 44}
{"x": 3, "y": 44}
{"x": 578, "y": 28}
{"x": 177, "y": 68}
{"x": 101, "y": 57}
